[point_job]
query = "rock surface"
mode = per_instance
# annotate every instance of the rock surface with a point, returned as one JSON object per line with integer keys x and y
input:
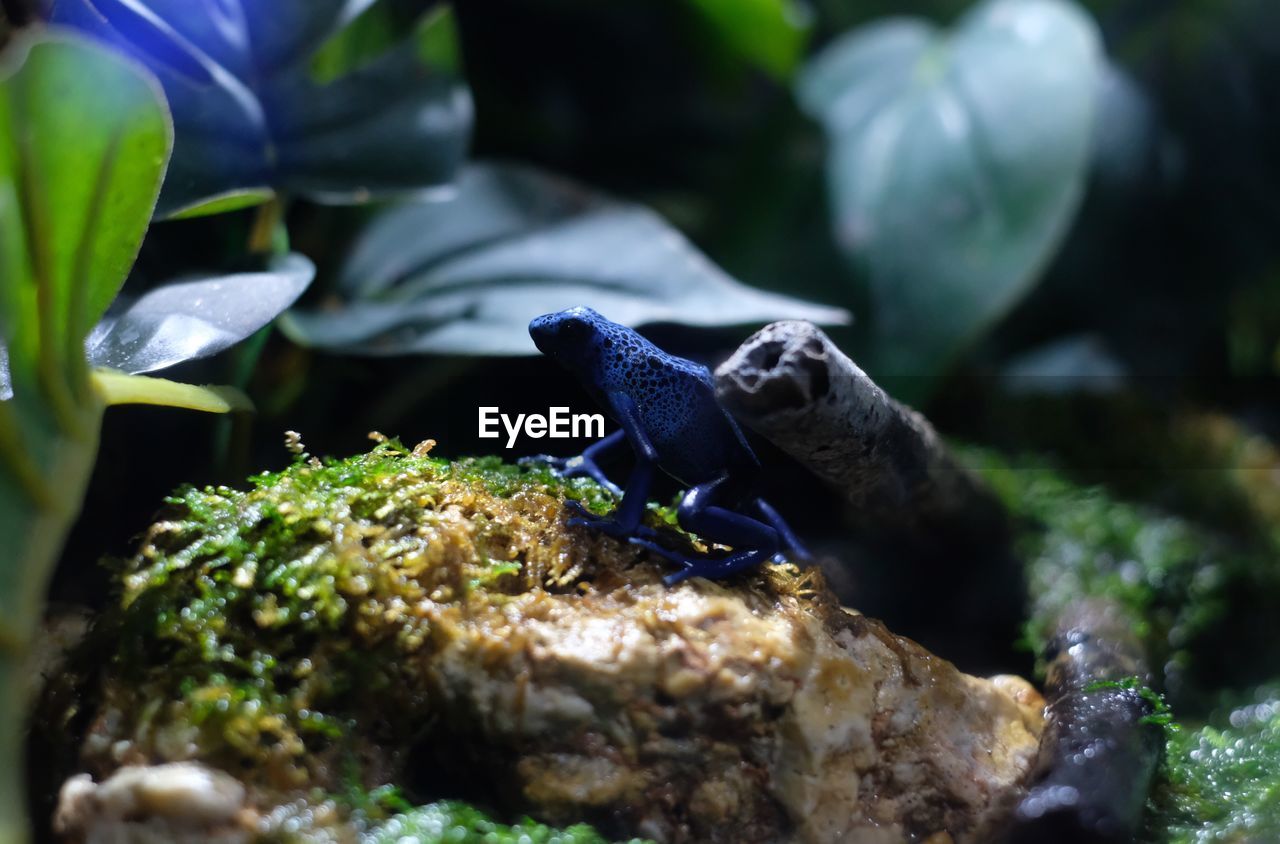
{"x": 177, "y": 802}
{"x": 436, "y": 626}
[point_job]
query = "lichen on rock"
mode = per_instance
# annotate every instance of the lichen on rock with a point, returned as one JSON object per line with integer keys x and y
{"x": 395, "y": 618}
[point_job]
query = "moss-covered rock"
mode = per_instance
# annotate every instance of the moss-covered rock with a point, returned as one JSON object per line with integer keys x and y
{"x": 257, "y": 628}
{"x": 394, "y": 618}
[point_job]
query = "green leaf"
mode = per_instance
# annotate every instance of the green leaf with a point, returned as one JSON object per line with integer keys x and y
{"x": 265, "y": 98}
{"x": 957, "y": 163}
{"x": 123, "y": 388}
{"x": 771, "y": 34}
{"x": 465, "y": 276}
{"x": 196, "y": 317}
{"x": 83, "y": 149}
{"x": 232, "y": 200}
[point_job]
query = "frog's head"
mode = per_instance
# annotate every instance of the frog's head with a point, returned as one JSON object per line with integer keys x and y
{"x": 571, "y": 336}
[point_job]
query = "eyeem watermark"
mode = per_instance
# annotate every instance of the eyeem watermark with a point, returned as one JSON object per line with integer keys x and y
{"x": 558, "y": 424}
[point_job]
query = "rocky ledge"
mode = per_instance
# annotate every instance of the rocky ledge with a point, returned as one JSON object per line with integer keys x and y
{"x": 347, "y": 639}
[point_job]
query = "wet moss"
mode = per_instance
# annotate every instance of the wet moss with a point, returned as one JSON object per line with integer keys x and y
{"x": 1221, "y": 783}
{"x": 450, "y": 822}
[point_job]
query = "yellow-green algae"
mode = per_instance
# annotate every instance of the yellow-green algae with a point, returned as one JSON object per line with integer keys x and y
{"x": 270, "y": 631}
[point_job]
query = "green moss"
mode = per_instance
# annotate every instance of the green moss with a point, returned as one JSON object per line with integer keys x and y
{"x": 457, "y": 823}
{"x": 1175, "y": 579}
{"x": 1161, "y": 713}
{"x": 1221, "y": 783}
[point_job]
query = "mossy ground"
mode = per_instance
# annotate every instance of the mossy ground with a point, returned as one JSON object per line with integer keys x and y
{"x": 1191, "y": 592}
{"x": 271, "y": 631}
{"x": 449, "y": 821}
{"x": 1202, "y": 603}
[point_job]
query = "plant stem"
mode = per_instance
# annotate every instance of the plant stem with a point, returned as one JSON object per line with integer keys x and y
{"x": 34, "y": 554}
{"x": 13, "y": 811}
{"x": 263, "y": 233}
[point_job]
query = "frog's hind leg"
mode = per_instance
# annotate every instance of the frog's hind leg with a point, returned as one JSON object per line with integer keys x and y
{"x": 790, "y": 541}
{"x": 754, "y": 540}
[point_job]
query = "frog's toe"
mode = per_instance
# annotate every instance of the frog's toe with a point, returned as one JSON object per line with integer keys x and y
{"x": 709, "y": 569}
{"x": 665, "y": 553}
{"x": 606, "y": 526}
{"x": 677, "y": 576}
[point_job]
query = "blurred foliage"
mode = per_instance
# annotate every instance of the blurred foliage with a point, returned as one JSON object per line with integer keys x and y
{"x": 770, "y": 34}
{"x": 1189, "y": 591}
{"x": 465, "y": 276}
{"x": 951, "y": 182}
{"x": 254, "y": 115}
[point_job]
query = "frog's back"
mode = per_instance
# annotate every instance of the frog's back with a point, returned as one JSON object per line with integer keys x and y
{"x": 675, "y": 402}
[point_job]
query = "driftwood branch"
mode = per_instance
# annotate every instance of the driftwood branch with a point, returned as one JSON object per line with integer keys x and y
{"x": 789, "y": 383}
{"x": 1099, "y": 751}
{"x": 792, "y": 385}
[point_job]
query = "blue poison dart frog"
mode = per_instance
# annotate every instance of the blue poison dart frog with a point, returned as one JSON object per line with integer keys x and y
{"x": 667, "y": 409}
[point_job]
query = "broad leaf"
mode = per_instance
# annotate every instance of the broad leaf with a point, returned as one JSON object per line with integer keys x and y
{"x": 196, "y": 318}
{"x": 251, "y": 115}
{"x": 957, "y": 162}
{"x": 465, "y": 276}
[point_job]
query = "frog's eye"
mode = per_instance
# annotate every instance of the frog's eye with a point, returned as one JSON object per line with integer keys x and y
{"x": 574, "y": 329}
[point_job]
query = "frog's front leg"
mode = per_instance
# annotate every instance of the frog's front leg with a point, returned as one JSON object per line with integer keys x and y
{"x": 625, "y": 521}
{"x": 585, "y": 465}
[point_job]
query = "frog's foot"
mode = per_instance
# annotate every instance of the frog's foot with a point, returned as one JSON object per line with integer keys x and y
{"x": 666, "y": 553}
{"x": 712, "y": 568}
{"x": 703, "y": 566}
{"x": 585, "y": 518}
{"x": 581, "y": 466}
